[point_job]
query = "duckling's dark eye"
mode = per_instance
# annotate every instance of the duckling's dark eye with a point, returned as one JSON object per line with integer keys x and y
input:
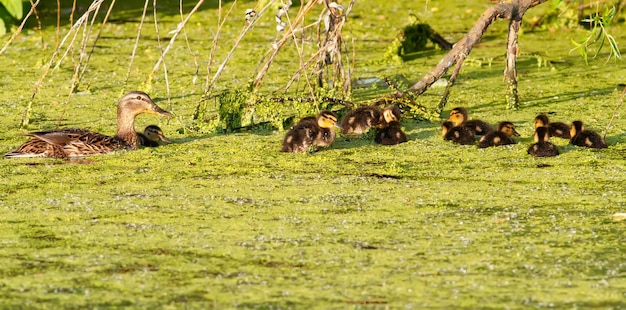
{"x": 138, "y": 97}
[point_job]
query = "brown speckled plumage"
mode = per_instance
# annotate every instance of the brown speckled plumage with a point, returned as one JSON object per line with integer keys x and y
{"x": 71, "y": 142}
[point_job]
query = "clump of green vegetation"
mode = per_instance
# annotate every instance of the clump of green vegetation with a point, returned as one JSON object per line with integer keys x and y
{"x": 412, "y": 38}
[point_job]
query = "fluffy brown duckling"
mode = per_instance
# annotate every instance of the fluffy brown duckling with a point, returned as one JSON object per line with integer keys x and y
{"x": 457, "y": 134}
{"x": 311, "y": 131}
{"x": 586, "y": 138}
{"x": 152, "y": 136}
{"x": 459, "y": 117}
{"x": 72, "y": 142}
{"x": 555, "y": 129}
{"x": 542, "y": 147}
{"x": 360, "y": 120}
{"x": 391, "y": 133}
{"x": 503, "y": 136}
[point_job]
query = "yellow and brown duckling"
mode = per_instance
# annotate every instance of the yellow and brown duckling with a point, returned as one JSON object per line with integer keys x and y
{"x": 391, "y": 133}
{"x": 360, "y": 120}
{"x": 503, "y": 136}
{"x": 152, "y": 136}
{"x": 586, "y": 138}
{"x": 542, "y": 147}
{"x": 555, "y": 129}
{"x": 61, "y": 143}
{"x": 459, "y": 117}
{"x": 457, "y": 134}
{"x": 311, "y": 131}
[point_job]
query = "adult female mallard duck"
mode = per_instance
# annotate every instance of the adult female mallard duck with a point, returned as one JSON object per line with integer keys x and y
{"x": 457, "y": 134}
{"x": 503, "y": 136}
{"x": 459, "y": 117}
{"x": 542, "y": 147}
{"x": 359, "y": 120}
{"x": 152, "y": 136}
{"x": 391, "y": 132}
{"x": 555, "y": 129}
{"x": 586, "y": 138}
{"x": 61, "y": 143}
{"x": 311, "y": 131}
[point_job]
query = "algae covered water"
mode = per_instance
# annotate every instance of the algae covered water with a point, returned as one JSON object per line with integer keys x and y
{"x": 225, "y": 220}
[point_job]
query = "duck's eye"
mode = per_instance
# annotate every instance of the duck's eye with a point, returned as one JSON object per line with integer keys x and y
{"x": 138, "y": 97}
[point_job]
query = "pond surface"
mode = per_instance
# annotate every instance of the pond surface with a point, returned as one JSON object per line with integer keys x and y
{"x": 227, "y": 221}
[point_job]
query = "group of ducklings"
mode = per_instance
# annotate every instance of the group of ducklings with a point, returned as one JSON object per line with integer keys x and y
{"x": 72, "y": 142}
{"x": 460, "y": 129}
{"x": 310, "y": 133}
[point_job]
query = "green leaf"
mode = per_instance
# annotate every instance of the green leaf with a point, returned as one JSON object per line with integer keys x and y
{"x": 3, "y": 28}
{"x": 14, "y": 7}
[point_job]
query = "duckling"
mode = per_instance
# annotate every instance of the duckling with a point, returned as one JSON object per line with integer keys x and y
{"x": 391, "y": 133}
{"x": 62, "y": 143}
{"x": 359, "y": 120}
{"x": 457, "y": 134}
{"x": 311, "y": 131}
{"x": 458, "y": 116}
{"x": 542, "y": 147}
{"x": 152, "y": 136}
{"x": 586, "y": 138}
{"x": 500, "y": 137}
{"x": 326, "y": 136}
{"x": 556, "y": 129}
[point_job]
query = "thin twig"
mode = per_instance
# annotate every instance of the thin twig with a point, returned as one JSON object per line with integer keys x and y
{"x": 162, "y": 58}
{"x": 220, "y": 23}
{"x": 243, "y": 32}
{"x": 174, "y": 35}
{"x": 299, "y": 49}
{"x": 78, "y": 23}
{"x": 620, "y": 101}
{"x": 25, "y": 117}
{"x": 132, "y": 55}
{"x": 278, "y": 45}
{"x": 195, "y": 57}
{"x": 58, "y": 30}
{"x": 39, "y": 27}
{"x": 93, "y": 46}
{"x": 83, "y": 55}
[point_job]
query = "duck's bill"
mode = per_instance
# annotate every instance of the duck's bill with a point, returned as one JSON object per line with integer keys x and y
{"x": 164, "y": 138}
{"x": 156, "y": 110}
{"x": 337, "y": 125}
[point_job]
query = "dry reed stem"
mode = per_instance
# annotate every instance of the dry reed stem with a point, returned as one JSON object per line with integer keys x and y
{"x": 19, "y": 29}
{"x": 220, "y": 24}
{"x": 300, "y": 56}
{"x": 278, "y": 45}
{"x": 243, "y": 32}
{"x": 39, "y": 27}
{"x": 73, "y": 29}
{"x": 93, "y": 46}
{"x": 620, "y": 101}
{"x": 195, "y": 57}
{"x": 132, "y": 55}
{"x": 175, "y": 34}
{"x": 83, "y": 56}
{"x": 303, "y": 67}
{"x": 162, "y": 58}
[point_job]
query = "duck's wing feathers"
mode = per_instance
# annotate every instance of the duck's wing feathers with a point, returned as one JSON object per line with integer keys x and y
{"x": 73, "y": 142}
{"x": 37, "y": 148}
